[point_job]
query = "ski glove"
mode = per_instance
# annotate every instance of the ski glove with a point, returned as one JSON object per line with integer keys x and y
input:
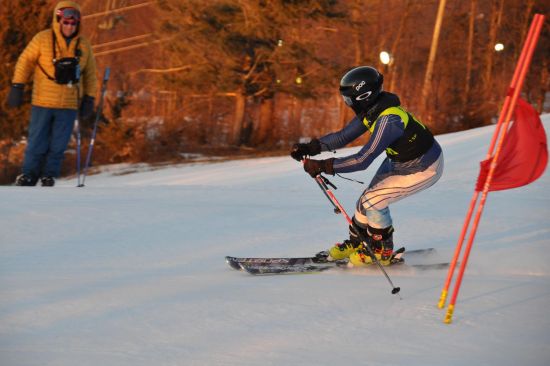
{"x": 87, "y": 107}
{"x": 316, "y": 167}
{"x": 300, "y": 151}
{"x": 15, "y": 98}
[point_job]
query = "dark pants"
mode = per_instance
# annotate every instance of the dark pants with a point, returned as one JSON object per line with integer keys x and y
{"x": 49, "y": 133}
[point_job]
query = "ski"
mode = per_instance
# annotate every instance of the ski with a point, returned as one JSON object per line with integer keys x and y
{"x": 270, "y": 269}
{"x": 259, "y": 269}
{"x": 235, "y": 262}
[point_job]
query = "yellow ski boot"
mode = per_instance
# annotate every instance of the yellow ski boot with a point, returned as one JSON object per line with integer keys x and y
{"x": 380, "y": 241}
{"x": 344, "y": 250}
{"x": 361, "y": 258}
{"x": 349, "y": 246}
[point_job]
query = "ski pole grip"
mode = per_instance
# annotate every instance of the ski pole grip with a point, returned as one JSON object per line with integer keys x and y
{"x": 107, "y": 74}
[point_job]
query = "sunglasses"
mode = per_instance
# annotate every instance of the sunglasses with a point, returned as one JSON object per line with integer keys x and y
{"x": 68, "y": 22}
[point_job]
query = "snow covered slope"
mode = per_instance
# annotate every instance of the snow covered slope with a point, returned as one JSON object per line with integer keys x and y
{"x": 130, "y": 271}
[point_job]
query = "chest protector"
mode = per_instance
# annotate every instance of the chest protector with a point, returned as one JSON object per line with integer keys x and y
{"x": 415, "y": 141}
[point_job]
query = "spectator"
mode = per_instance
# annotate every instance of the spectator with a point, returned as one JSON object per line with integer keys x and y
{"x": 65, "y": 83}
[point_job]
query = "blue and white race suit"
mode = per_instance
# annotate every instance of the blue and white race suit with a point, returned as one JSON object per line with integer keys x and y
{"x": 414, "y": 161}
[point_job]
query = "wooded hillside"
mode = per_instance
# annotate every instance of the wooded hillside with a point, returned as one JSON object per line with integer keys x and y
{"x": 226, "y": 76}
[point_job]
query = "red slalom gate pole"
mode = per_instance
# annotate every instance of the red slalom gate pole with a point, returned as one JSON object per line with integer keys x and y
{"x": 505, "y": 107}
{"x": 515, "y": 90}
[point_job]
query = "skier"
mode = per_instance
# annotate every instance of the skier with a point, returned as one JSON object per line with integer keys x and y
{"x": 413, "y": 163}
{"x": 64, "y": 71}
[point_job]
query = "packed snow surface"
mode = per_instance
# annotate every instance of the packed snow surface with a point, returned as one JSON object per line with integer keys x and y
{"x": 130, "y": 270}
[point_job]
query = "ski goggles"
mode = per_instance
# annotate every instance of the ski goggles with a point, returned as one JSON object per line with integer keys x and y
{"x": 68, "y": 13}
{"x": 347, "y": 100}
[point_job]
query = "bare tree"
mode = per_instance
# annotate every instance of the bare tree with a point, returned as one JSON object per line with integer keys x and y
{"x": 245, "y": 50}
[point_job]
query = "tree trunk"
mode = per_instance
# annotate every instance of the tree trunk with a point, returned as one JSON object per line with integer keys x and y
{"x": 496, "y": 15}
{"x": 295, "y": 120}
{"x": 545, "y": 81}
{"x": 392, "y": 74}
{"x": 265, "y": 122}
{"x": 431, "y": 61}
{"x": 238, "y": 119}
{"x": 357, "y": 31}
{"x": 6, "y": 155}
{"x": 471, "y": 30}
{"x": 525, "y": 26}
{"x": 249, "y": 123}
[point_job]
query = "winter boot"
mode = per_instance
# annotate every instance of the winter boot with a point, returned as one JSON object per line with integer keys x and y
{"x": 25, "y": 181}
{"x": 47, "y": 181}
{"x": 344, "y": 250}
{"x": 381, "y": 243}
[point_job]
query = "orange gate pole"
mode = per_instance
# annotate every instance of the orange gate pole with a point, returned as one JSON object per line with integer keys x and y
{"x": 504, "y": 110}
{"x": 531, "y": 44}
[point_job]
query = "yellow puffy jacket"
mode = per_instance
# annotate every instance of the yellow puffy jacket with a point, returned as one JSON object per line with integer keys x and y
{"x": 47, "y": 93}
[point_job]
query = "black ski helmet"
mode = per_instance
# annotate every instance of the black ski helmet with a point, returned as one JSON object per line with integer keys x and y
{"x": 360, "y": 87}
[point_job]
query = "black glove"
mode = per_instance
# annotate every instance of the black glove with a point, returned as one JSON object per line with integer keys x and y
{"x": 316, "y": 167}
{"x": 15, "y": 98}
{"x": 87, "y": 107}
{"x": 300, "y": 151}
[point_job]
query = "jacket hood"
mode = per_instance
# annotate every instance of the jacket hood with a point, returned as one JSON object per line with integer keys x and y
{"x": 55, "y": 23}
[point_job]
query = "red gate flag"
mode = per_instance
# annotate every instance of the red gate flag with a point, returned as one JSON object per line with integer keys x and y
{"x": 523, "y": 159}
{"x": 524, "y": 152}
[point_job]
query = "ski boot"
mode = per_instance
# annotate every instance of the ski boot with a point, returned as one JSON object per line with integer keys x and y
{"x": 381, "y": 243}
{"x": 347, "y": 247}
{"x": 24, "y": 180}
{"x": 47, "y": 181}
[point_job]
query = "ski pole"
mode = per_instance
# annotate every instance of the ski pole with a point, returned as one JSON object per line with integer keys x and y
{"x": 78, "y": 136}
{"x": 78, "y": 148}
{"x": 94, "y": 132}
{"x": 327, "y": 182}
{"x": 322, "y": 182}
